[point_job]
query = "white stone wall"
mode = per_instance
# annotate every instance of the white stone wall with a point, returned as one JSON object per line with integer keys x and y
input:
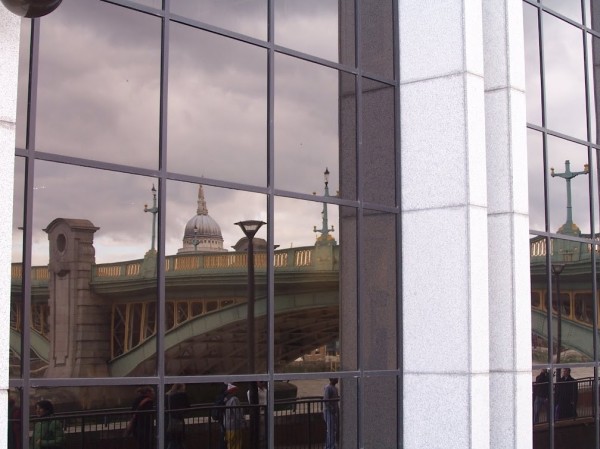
{"x": 465, "y": 253}
{"x": 508, "y": 225}
{"x": 9, "y": 59}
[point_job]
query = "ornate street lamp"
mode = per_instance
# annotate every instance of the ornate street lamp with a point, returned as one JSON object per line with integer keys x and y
{"x": 195, "y": 241}
{"x": 153, "y": 210}
{"x": 250, "y": 228}
{"x": 31, "y": 8}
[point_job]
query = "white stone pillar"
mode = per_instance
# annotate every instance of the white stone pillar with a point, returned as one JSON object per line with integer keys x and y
{"x": 444, "y": 225}
{"x": 9, "y": 63}
{"x": 508, "y": 225}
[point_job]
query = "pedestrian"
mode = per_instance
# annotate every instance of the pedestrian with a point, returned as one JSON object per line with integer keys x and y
{"x": 331, "y": 410}
{"x": 47, "y": 432}
{"x": 566, "y": 396}
{"x": 141, "y": 424}
{"x": 234, "y": 418}
{"x": 176, "y": 402}
{"x": 541, "y": 390}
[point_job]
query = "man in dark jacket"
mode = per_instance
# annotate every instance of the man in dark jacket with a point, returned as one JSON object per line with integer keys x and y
{"x": 566, "y": 396}
{"x": 541, "y": 390}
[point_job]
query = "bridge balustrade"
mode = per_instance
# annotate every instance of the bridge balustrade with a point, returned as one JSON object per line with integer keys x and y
{"x": 298, "y": 423}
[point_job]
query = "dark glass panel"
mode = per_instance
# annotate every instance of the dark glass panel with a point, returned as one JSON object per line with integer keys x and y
{"x": 568, "y": 187}
{"x": 377, "y": 37}
{"x": 94, "y": 262}
{"x": 217, "y": 107}
{"x": 379, "y": 300}
{"x": 16, "y": 279}
{"x": 572, "y": 301}
{"x": 532, "y": 64}
{"x": 99, "y": 83}
{"x": 381, "y": 393}
{"x": 574, "y": 400}
{"x": 306, "y": 125}
{"x": 378, "y": 150}
{"x": 535, "y": 177}
{"x": 94, "y": 415}
{"x": 571, "y": 9}
{"x": 242, "y": 16}
{"x": 564, "y": 78}
{"x": 539, "y": 290}
{"x": 23, "y": 84}
{"x": 316, "y": 27}
{"x": 307, "y": 287}
{"x": 207, "y": 281}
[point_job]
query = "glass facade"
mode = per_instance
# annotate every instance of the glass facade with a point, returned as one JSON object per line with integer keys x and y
{"x": 207, "y": 195}
{"x": 561, "y": 52}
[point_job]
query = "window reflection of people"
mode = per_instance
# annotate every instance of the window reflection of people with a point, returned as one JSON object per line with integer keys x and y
{"x": 47, "y": 432}
{"x": 176, "y": 400}
{"x": 331, "y": 412}
{"x": 234, "y": 419}
{"x": 566, "y": 396}
{"x": 14, "y": 424}
{"x": 142, "y": 423}
{"x": 541, "y": 390}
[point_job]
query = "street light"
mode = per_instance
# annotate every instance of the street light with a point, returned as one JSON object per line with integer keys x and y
{"x": 195, "y": 241}
{"x": 250, "y": 228}
{"x": 31, "y": 8}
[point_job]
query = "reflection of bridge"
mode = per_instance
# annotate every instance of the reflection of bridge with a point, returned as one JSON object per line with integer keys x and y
{"x": 205, "y": 309}
{"x": 575, "y": 335}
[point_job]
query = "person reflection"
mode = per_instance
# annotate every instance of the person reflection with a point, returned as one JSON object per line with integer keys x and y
{"x": 14, "y": 424}
{"x": 141, "y": 425}
{"x": 541, "y": 390}
{"x": 566, "y": 396}
{"x": 331, "y": 412}
{"x": 176, "y": 403}
{"x": 47, "y": 432}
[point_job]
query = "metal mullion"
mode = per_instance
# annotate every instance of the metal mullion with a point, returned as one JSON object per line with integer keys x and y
{"x": 162, "y": 201}
{"x": 270, "y": 436}
{"x": 28, "y": 224}
{"x": 398, "y": 160}
{"x": 560, "y": 135}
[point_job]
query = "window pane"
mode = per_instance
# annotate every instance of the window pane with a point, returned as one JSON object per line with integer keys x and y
{"x": 313, "y": 27}
{"x": 532, "y": 65}
{"x": 377, "y": 30}
{"x": 306, "y": 124}
{"x": 539, "y": 299}
{"x": 207, "y": 319}
{"x": 23, "y": 86}
{"x": 536, "y": 179}
{"x": 564, "y": 77}
{"x": 378, "y": 151}
{"x": 98, "y": 94}
{"x": 97, "y": 264}
{"x": 307, "y": 287}
{"x": 568, "y": 187}
{"x": 217, "y": 107}
{"x": 568, "y": 8}
{"x": 380, "y": 394}
{"x": 16, "y": 293}
{"x": 379, "y": 296}
{"x": 242, "y": 16}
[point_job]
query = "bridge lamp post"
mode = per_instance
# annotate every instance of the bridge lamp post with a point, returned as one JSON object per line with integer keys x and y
{"x": 250, "y": 228}
{"x": 557, "y": 269}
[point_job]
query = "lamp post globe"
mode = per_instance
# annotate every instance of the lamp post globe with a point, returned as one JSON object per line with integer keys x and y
{"x": 31, "y": 8}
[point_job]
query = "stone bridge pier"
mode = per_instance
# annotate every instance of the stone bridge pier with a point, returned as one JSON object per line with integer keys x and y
{"x": 79, "y": 320}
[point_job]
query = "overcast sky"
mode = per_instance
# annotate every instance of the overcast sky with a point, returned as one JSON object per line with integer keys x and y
{"x": 98, "y": 98}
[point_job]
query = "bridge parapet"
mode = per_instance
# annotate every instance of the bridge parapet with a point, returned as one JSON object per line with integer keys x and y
{"x": 292, "y": 258}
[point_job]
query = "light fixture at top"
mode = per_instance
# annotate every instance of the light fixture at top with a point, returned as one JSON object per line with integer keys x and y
{"x": 31, "y": 8}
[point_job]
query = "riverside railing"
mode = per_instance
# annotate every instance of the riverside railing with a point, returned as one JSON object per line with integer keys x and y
{"x": 585, "y": 405}
{"x": 298, "y": 423}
